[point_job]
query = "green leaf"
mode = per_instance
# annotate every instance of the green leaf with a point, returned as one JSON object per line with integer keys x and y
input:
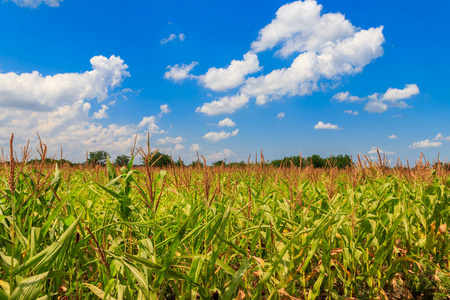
{"x": 98, "y": 292}
{"x": 30, "y": 288}
{"x": 237, "y": 278}
{"x": 110, "y": 169}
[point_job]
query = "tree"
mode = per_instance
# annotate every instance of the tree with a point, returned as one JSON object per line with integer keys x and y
{"x": 122, "y": 160}
{"x": 195, "y": 163}
{"x": 219, "y": 163}
{"x": 98, "y": 157}
{"x": 178, "y": 163}
{"x": 160, "y": 160}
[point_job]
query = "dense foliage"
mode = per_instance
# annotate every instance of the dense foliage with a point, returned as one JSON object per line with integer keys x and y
{"x": 98, "y": 157}
{"x": 338, "y": 161}
{"x": 253, "y": 232}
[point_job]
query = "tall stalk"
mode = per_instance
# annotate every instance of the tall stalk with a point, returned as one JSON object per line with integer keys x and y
{"x": 11, "y": 184}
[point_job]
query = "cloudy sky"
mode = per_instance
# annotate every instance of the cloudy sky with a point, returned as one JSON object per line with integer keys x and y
{"x": 227, "y": 78}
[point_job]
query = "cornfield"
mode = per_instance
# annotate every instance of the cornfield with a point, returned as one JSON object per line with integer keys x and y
{"x": 257, "y": 232}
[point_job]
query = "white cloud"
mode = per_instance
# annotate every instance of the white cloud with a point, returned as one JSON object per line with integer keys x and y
{"x": 376, "y": 107}
{"x": 225, "y": 105}
{"x": 327, "y": 47}
{"x": 351, "y": 112}
{"x": 392, "y": 137}
{"x": 346, "y": 97}
{"x": 220, "y": 79}
{"x": 36, "y": 3}
{"x": 374, "y": 151}
{"x": 174, "y": 151}
{"x": 178, "y": 147}
{"x": 170, "y": 140}
{"x": 440, "y": 137}
{"x": 217, "y": 136}
{"x": 150, "y": 122}
{"x": 300, "y": 27}
{"x": 195, "y": 147}
{"x": 101, "y": 113}
{"x": 180, "y": 72}
{"x": 68, "y": 126}
{"x": 172, "y": 37}
{"x": 221, "y": 155}
{"x": 281, "y": 115}
{"x": 227, "y": 122}
{"x": 345, "y": 57}
{"x": 380, "y": 103}
{"x": 65, "y": 119}
{"x": 425, "y": 144}
{"x": 393, "y": 95}
{"x": 322, "y": 125}
{"x": 164, "y": 109}
{"x": 33, "y": 91}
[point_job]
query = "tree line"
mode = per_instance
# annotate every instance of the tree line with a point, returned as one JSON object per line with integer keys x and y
{"x": 162, "y": 160}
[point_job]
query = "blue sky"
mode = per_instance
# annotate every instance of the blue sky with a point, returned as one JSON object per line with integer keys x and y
{"x": 227, "y": 78}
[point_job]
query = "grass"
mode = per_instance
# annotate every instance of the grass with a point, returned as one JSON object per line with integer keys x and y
{"x": 258, "y": 232}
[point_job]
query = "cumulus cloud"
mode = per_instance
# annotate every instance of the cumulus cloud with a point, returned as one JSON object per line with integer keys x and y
{"x": 174, "y": 151}
{"x": 425, "y": 144}
{"x": 346, "y": 97}
{"x": 379, "y": 103}
{"x": 393, "y": 95}
{"x": 58, "y": 108}
{"x": 351, "y": 112}
{"x": 227, "y": 122}
{"x": 376, "y": 107}
{"x": 392, "y": 98}
{"x": 326, "y": 45}
{"x": 150, "y": 124}
{"x": 281, "y": 115}
{"x": 36, "y": 3}
{"x": 221, "y": 155}
{"x": 195, "y": 147}
{"x": 172, "y": 37}
{"x": 299, "y": 27}
{"x": 222, "y": 79}
{"x": 180, "y": 72}
{"x": 170, "y": 140}
{"x": 322, "y": 125}
{"x": 165, "y": 109}
{"x": 217, "y": 136}
{"x": 34, "y": 91}
{"x": 345, "y": 57}
{"x": 374, "y": 151}
{"x": 101, "y": 113}
{"x": 225, "y": 105}
{"x": 68, "y": 126}
{"x": 440, "y": 137}
{"x": 392, "y": 137}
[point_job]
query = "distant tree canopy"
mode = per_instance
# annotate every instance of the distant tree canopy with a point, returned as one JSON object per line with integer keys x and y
{"x": 98, "y": 157}
{"x": 339, "y": 161}
{"x": 122, "y": 160}
{"x": 161, "y": 160}
{"x": 230, "y": 164}
{"x": 219, "y": 163}
{"x": 178, "y": 163}
{"x": 195, "y": 163}
{"x": 51, "y": 160}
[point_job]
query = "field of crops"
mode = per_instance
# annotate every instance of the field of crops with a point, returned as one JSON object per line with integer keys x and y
{"x": 257, "y": 232}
